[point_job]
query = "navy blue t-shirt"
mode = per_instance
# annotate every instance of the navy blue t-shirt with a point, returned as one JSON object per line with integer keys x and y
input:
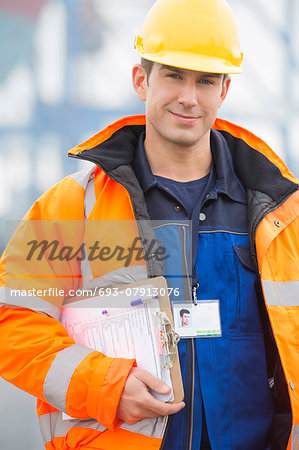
{"x": 187, "y": 193}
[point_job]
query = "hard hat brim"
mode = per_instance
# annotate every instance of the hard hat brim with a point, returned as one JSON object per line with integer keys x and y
{"x": 191, "y": 61}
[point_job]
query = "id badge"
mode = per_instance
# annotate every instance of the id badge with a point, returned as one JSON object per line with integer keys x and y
{"x": 201, "y": 320}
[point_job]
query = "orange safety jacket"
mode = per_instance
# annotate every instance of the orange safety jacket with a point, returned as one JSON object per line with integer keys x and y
{"x": 106, "y": 203}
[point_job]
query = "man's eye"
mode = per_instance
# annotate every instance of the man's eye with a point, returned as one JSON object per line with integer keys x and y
{"x": 205, "y": 81}
{"x": 173, "y": 75}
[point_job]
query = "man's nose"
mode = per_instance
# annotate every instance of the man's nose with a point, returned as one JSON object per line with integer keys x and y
{"x": 188, "y": 94}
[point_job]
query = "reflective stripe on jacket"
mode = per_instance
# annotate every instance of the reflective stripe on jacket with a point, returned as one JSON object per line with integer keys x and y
{"x": 43, "y": 360}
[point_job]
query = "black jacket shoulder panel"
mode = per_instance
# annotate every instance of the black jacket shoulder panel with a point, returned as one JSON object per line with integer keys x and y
{"x": 110, "y": 154}
{"x": 256, "y": 171}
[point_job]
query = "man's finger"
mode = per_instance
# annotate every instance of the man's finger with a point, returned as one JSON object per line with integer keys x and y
{"x": 161, "y": 408}
{"x": 152, "y": 382}
{"x": 150, "y": 413}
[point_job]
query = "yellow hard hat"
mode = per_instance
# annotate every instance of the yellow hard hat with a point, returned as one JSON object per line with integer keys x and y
{"x": 199, "y": 35}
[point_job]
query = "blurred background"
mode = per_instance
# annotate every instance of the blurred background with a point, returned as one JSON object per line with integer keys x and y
{"x": 65, "y": 73}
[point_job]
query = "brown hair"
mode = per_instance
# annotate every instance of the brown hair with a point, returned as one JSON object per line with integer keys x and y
{"x": 147, "y": 65}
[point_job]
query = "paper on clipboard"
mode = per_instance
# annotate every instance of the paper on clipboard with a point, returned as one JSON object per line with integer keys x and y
{"x": 128, "y": 332}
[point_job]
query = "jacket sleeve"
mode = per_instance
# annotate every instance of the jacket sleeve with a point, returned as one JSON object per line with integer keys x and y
{"x": 38, "y": 356}
{"x": 36, "y": 352}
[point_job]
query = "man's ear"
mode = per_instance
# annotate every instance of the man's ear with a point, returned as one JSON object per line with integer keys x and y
{"x": 224, "y": 91}
{"x": 139, "y": 79}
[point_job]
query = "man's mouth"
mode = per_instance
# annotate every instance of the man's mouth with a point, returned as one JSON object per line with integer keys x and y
{"x": 184, "y": 118}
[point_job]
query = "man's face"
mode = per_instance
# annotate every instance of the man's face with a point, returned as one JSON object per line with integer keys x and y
{"x": 181, "y": 105}
{"x": 185, "y": 320}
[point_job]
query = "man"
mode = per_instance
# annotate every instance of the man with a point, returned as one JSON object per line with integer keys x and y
{"x": 185, "y": 317}
{"x": 179, "y": 166}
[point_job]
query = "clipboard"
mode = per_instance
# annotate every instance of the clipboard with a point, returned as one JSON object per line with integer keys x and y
{"x": 160, "y": 284}
{"x": 169, "y": 338}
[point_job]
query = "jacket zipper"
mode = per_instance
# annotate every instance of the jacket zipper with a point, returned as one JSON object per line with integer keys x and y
{"x": 192, "y": 291}
{"x": 185, "y": 260}
{"x": 189, "y": 446}
{"x": 166, "y": 432}
{"x": 238, "y": 288}
{"x": 192, "y": 394}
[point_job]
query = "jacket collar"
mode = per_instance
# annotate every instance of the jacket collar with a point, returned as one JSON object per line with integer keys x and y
{"x": 255, "y": 164}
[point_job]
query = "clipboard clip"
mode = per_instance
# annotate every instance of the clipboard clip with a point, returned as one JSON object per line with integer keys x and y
{"x": 169, "y": 339}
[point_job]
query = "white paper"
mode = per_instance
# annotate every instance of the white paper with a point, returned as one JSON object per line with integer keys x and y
{"x": 123, "y": 332}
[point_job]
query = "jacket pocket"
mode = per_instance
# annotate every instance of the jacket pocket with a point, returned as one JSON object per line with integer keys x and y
{"x": 242, "y": 303}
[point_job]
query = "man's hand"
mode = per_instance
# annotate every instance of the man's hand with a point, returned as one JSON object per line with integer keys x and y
{"x": 137, "y": 402}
